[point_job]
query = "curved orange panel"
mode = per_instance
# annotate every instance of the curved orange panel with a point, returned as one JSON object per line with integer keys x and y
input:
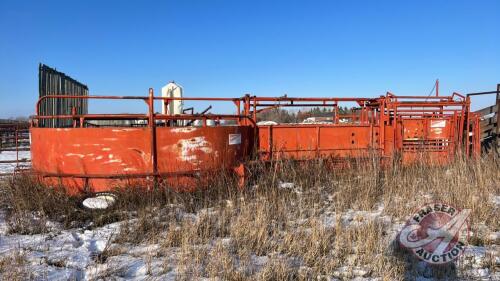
{"x": 113, "y": 157}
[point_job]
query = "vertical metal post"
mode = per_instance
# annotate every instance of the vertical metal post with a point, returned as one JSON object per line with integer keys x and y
{"x": 152, "y": 127}
{"x": 477, "y": 141}
{"x": 461, "y": 122}
{"x": 317, "y": 141}
{"x": 73, "y": 112}
{"x": 270, "y": 132}
{"x": 336, "y": 120}
{"x": 467, "y": 126}
{"x": 498, "y": 119}
{"x": 239, "y": 112}
{"x": 17, "y": 147}
{"x": 381, "y": 126}
{"x": 254, "y": 109}
{"x": 247, "y": 108}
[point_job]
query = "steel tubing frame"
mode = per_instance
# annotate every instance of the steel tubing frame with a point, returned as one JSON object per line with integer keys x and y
{"x": 386, "y": 114}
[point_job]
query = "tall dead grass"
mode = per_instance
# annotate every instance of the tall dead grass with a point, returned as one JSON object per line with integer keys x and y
{"x": 13, "y": 266}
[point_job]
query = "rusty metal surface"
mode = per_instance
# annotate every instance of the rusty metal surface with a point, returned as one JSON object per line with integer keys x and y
{"x": 407, "y": 125}
{"x": 126, "y": 153}
{"x": 83, "y": 158}
{"x": 302, "y": 141}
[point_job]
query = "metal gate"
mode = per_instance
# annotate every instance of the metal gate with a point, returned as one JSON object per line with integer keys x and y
{"x": 489, "y": 120}
{"x": 53, "y": 82}
{"x": 14, "y": 146}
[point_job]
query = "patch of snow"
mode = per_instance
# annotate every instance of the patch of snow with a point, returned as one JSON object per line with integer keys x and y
{"x": 60, "y": 255}
{"x": 352, "y": 273}
{"x": 290, "y": 186}
{"x": 495, "y": 199}
{"x": 11, "y": 155}
{"x": 479, "y": 274}
{"x": 259, "y": 261}
{"x": 71, "y": 254}
{"x": 356, "y": 218}
{"x": 266, "y": 123}
{"x": 100, "y": 201}
{"x": 494, "y": 237}
{"x": 4, "y": 228}
{"x": 286, "y": 185}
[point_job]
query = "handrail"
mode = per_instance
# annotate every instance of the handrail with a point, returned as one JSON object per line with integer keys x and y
{"x": 149, "y": 101}
{"x": 197, "y": 99}
{"x": 247, "y": 105}
{"x": 458, "y": 95}
{"x": 330, "y": 99}
{"x": 87, "y": 97}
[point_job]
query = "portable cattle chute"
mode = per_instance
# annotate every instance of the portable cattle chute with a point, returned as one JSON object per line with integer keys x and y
{"x": 185, "y": 149}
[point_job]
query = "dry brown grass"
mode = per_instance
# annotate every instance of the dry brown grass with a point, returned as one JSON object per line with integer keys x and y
{"x": 13, "y": 266}
{"x": 222, "y": 232}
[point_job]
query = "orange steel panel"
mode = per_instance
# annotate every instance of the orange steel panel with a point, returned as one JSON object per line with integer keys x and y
{"x": 439, "y": 129}
{"x": 389, "y": 137}
{"x": 127, "y": 151}
{"x": 309, "y": 141}
{"x": 201, "y": 148}
{"x": 198, "y": 150}
{"x": 429, "y": 139}
{"x": 413, "y": 129}
{"x": 294, "y": 142}
{"x": 264, "y": 147}
{"x": 99, "y": 151}
{"x": 428, "y": 128}
{"x": 346, "y": 141}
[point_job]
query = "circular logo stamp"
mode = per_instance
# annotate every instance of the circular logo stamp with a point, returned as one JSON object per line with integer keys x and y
{"x": 436, "y": 233}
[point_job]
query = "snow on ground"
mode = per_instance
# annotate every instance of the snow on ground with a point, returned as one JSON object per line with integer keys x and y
{"x": 495, "y": 199}
{"x": 75, "y": 254}
{"x": 356, "y": 218}
{"x": 59, "y": 255}
{"x": 11, "y": 155}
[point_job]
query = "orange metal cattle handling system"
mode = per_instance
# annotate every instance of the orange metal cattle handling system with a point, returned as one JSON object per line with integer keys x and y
{"x": 411, "y": 126}
{"x": 162, "y": 147}
{"x": 89, "y": 159}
